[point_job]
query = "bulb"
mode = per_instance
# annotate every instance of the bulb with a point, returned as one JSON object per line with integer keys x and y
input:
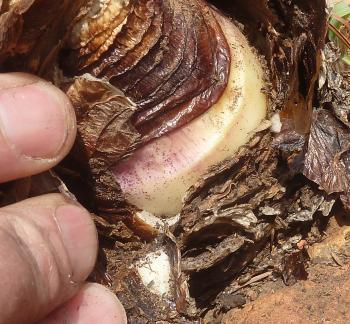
{"x": 156, "y": 177}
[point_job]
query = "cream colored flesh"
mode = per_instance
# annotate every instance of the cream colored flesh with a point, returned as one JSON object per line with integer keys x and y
{"x": 155, "y": 272}
{"x": 156, "y": 177}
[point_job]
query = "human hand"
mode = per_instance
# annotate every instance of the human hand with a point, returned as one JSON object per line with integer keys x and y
{"x": 48, "y": 245}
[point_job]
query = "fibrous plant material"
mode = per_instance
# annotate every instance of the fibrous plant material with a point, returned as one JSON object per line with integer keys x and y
{"x": 141, "y": 73}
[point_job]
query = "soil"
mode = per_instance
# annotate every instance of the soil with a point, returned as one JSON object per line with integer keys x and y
{"x": 323, "y": 298}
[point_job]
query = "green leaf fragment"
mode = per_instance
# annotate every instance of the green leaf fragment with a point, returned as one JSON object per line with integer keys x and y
{"x": 340, "y": 9}
{"x": 346, "y": 59}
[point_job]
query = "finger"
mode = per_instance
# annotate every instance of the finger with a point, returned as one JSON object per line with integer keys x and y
{"x": 48, "y": 248}
{"x": 93, "y": 304}
{"x": 37, "y": 125}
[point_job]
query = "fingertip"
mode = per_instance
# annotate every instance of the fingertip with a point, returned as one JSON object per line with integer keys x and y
{"x": 50, "y": 246}
{"x": 79, "y": 236}
{"x": 93, "y": 304}
{"x": 68, "y": 225}
{"x": 37, "y": 125}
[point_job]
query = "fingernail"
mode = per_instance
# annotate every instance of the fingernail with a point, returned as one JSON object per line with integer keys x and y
{"x": 79, "y": 237}
{"x": 34, "y": 119}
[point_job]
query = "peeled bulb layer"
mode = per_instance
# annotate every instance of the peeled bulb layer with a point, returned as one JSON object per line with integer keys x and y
{"x": 156, "y": 177}
{"x": 155, "y": 272}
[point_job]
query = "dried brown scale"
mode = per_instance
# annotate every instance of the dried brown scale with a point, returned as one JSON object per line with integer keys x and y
{"x": 10, "y": 23}
{"x": 150, "y": 39}
{"x": 205, "y": 88}
{"x": 99, "y": 101}
{"x": 154, "y": 55}
{"x": 161, "y": 102}
{"x": 204, "y": 210}
{"x": 173, "y": 82}
{"x": 132, "y": 33}
{"x": 189, "y": 28}
{"x": 172, "y": 57}
{"x": 94, "y": 24}
{"x": 327, "y": 161}
{"x": 186, "y": 111}
{"x": 335, "y": 86}
{"x": 93, "y": 50}
{"x": 208, "y": 259}
{"x": 36, "y": 51}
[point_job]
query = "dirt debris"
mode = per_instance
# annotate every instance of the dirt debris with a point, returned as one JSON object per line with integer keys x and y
{"x": 323, "y": 298}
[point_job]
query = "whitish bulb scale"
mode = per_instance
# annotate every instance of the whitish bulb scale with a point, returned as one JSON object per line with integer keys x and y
{"x": 157, "y": 176}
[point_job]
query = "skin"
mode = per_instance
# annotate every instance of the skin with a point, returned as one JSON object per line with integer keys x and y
{"x": 48, "y": 244}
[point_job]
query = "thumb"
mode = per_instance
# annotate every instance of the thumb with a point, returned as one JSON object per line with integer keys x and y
{"x": 47, "y": 249}
{"x": 37, "y": 125}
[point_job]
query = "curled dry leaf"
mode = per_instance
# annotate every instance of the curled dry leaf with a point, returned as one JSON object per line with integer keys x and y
{"x": 334, "y": 84}
{"x": 105, "y": 133}
{"x": 327, "y": 160}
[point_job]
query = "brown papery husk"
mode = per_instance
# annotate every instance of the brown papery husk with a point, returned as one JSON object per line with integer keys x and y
{"x": 243, "y": 219}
